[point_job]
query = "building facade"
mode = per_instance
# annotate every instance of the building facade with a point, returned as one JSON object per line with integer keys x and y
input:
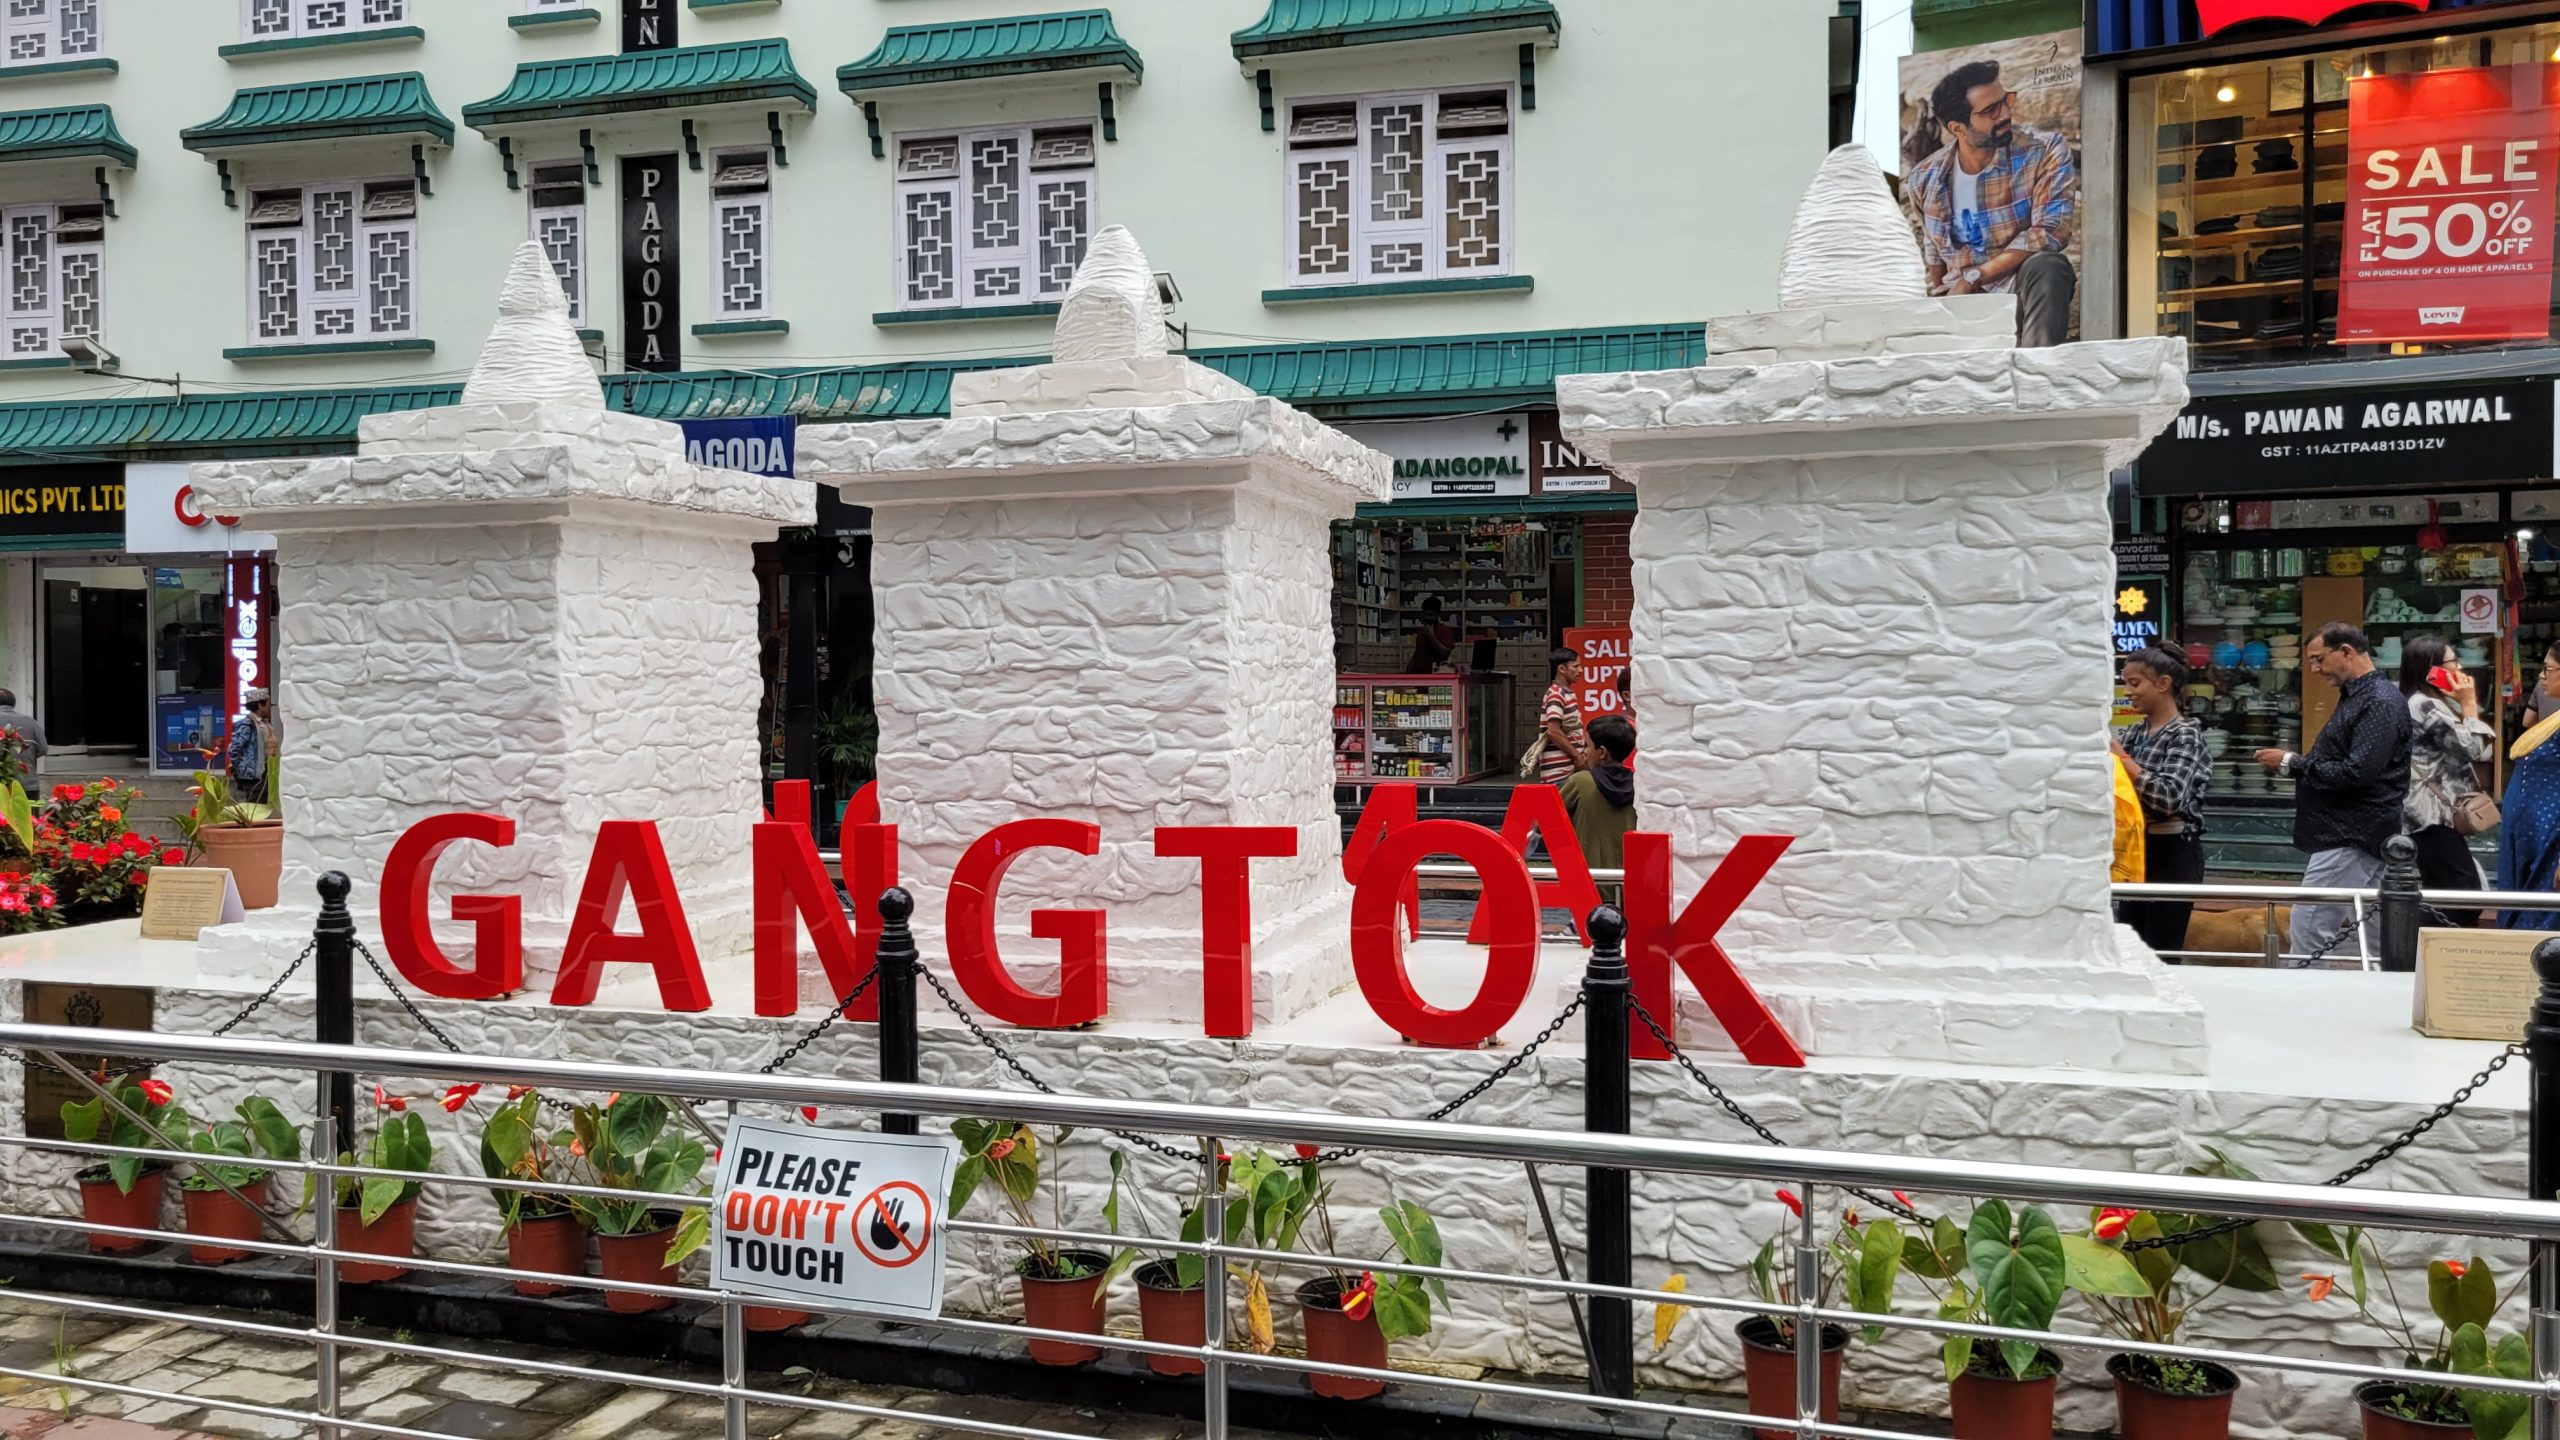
{"x": 233, "y": 229}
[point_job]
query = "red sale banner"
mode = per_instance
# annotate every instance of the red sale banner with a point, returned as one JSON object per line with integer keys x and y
{"x": 2449, "y": 205}
{"x": 1603, "y": 649}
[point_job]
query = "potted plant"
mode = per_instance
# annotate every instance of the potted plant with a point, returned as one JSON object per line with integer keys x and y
{"x": 27, "y": 904}
{"x": 223, "y": 1150}
{"x": 378, "y": 1214}
{"x": 2008, "y": 1270}
{"x": 543, "y": 1232}
{"x": 125, "y": 1190}
{"x": 237, "y": 834}
{"x": 630, "y": 1144}
{"x": 1860, "y": 1264}
{"x": 1172, "y": 1308}
{"x": 17, "y": 822}
{"x": 2464, "y": 1297}
{"x": 1347, "y": 1319}
{"x": 1062, "y": 1288}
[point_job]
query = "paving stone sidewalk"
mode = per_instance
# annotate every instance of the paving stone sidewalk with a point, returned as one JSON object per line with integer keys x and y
{"x": 493, "y": 1402}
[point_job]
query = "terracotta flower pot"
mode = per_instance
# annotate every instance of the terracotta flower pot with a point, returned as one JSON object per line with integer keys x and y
{"x": 1769, "y": 1371}
{"x": 254, "y": 854}
{"x": 1995, "y": 1407}
{"x": 551, "y": 1244}
{"x": 101, "y": 1203}
{"x": 642, "y": 1260}
{"x": 2145, "y": 1411}
{"x": 2383, "y": 1425}
{"x": 1070, "y": 1304}
{"x": 765, "y": 1319}
{"x": 1337, "y": 1339}
{"x": 214, "y": 1215}
{"x": 1171, "y": 1315}
{"x": 393, "y": 1233}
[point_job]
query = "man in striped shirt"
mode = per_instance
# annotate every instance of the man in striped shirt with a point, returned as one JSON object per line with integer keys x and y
{"x": 1997, "y": 204}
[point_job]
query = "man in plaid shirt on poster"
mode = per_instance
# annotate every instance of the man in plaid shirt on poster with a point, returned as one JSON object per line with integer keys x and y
{"x": 1997, "y": 203}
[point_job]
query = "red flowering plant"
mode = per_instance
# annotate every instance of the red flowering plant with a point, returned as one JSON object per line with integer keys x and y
{"x": 93, "y": 1121}
{"x": 83, "y": 842}
{"x": 1288, "y": 1202}
{"x": 1860, "y": 1262}
{"x": 14, "y": 766}
{"x": 1018, "y": 1161}
{"x": 27, "y": 904}
{"x": 2465, "y": 1299}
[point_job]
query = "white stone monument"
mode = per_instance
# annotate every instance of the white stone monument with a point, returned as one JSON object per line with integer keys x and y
{"x": 525, "y": 604}
{"x": 1104, "y": 595}
{"x": 1872, "y": 575}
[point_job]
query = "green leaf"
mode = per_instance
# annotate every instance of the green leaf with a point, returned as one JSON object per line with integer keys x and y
{"x": 81, "y": 1118}
{"x": 2469, "y": 1352}
{"x": 974, "y": 1135}
{"x": 2355, "y": 1274}
{"x": 633, "y": 1123}
{"x": 277, "y": 1137}
{"x": 2095, "y": 1269}
{"x": 1957, "y": 1353}
{"x": 507, "y": 1141}
{"x": 1111, "y": 1205}
{"x": 2321, "y": 1237}
{"x": 1879, "y": 1262}
{"x": 1403, "y": 1310}
{"x": 2477, "y": 1293}
{"x": 964, "y": 1181}
{"x": 2022, "y": 1276}
{"x": 2238, "y": 1260}
{"x": 1764, "y": 1271}
{"x": 378, "y": 1196}
{"x": 692, "y": 1232}
{"x": 2444, "y": 1295}
{"x": 124, "y": 1170}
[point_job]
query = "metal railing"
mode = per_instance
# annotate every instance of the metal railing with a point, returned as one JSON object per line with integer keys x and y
{"x": 1814, "y": 1174}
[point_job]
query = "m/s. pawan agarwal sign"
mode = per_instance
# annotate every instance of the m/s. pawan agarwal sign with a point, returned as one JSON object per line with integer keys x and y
{"x": 792, "y": 892}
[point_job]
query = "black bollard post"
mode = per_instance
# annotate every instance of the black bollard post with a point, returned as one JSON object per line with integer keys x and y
{"x": 2542, "y": 1167}
{"x": 334, "y": 996}
{"x": 899, "y": 1053}
{"x": 1608, "y": 1109}
{"x": 2401, "y": 904}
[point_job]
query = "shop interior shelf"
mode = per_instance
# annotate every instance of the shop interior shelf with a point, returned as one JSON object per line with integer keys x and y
{"x": 2176, "y": 244}
{"x": 2251, "y": 287}
{"x": 2290, "y": 180}
{"x": 2293, "y": 134}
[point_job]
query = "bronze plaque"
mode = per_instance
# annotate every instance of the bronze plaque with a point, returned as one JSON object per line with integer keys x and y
{"x": 103, "y": 1007}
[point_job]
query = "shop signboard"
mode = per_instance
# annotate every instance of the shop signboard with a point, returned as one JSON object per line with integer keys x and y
{"x": 1557, "y": 467}
{"x": 62, "y": 500}
{"x": 759, "y": 445}
{"x": 652, "y": 267}
{"x": 1473, "y": 456}
{"x": 161, "y": 517}
{"x": 844, "y": 1219}
{"x": 1603, "y": 652}
{"x": 2449, "y": 205}
{"x": 2366, "y": 437}
{"x": 648, "y": 25}
{"x": 2141, "y": 612}
{"x": 186, "y": 730}
{"x": 244, "y": 629}
{"x": 2142, "y": 554}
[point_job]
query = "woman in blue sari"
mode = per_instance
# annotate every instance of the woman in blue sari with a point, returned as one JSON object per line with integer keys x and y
{"x": 2529, "y": 819}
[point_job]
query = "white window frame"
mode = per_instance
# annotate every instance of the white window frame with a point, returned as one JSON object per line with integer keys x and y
{"x": 729, "y": 200}
{"x": 309, "y": 301}
{"x": 969, "y": 259}
{"x": 1432, "y": 228}
{"x": 302, "y": 19}
{"x": 574, "y": 285}
{"x": 536, "y": 7}
{"x": 39, "y": 33}
{"x": 46, "y": 315}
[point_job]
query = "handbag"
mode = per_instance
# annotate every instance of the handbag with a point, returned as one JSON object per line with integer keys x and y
{"x": 2475, "y": 814}
{"x": 1530, "y": 757}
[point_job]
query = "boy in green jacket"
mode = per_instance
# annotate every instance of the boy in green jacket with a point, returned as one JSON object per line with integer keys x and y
{"x": 1602, "y": 799}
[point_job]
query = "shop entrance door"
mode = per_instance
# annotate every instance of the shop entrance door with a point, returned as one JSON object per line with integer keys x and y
{"x": 97, "y": 649}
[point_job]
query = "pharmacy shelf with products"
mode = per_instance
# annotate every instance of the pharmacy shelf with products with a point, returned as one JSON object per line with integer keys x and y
{"x": 2396, "y": 567}
{"x": 1417, "y": 727}
{"x": 1370, "y": 629}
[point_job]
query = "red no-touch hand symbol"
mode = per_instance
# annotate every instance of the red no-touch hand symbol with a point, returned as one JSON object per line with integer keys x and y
{"x": 893, "y": 1224}
{"x": 2479, "y": 607}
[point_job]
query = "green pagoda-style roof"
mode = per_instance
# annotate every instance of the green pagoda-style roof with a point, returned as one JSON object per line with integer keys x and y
{"x": 750, "y": 71}
{"x": 67, "y": 132}
{"x": 988, "y": 49}
{"x": 1340, "y": 380}
{"x": 1294, "y": 25}
{"x": 324, "y": 110}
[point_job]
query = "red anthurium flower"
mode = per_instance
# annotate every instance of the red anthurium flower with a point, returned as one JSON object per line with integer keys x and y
{"x": 2111, "y": 1222}
{"x": 383, "y": 1100}
{"x": 1360, "y": 1298}
{"x": 2456, "y": 1268}
{"x": 809, "y": 1113}
{"x": 1001, "y": 1148}
{"x": 458, "y": 1096}
{"x": 1788, "y": 1198}
{"x": 517, "y": 1092}
{"x": 1901, "y": 1199}
{"x": 578, "y": 1147}
{"x": 2321, "y": 1285}
{"x": 173, "y": 856}
{"x": 1850, "y": 1219}
{"x": 613, "y": 1099}
{"x": 158, "y": 1092}
{"x": 1308, "y": 1152}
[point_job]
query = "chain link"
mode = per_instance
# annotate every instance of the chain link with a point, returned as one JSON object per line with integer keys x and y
{"x": 996, "y": 1048}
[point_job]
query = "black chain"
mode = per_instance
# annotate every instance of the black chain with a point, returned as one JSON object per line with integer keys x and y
{"x": 996, "y": 1048}
{"x": 814, "y": 1031}
{"x": 225, "y": 1028}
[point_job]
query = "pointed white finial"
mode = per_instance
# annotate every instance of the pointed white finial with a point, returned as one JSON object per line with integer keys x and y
{"x": 1851, "y": 244}
{"x": 1111, "y": 311}
{"x": 532, "y": 352}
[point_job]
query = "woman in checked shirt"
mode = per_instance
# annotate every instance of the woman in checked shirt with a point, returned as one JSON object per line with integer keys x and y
{"x": 2165, "y": 753}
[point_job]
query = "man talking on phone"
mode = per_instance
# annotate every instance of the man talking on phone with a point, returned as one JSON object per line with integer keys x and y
{"x": 2348, "y": 790}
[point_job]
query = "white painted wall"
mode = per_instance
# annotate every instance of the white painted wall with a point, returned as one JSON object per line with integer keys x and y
{"x": 1654, "y": 178}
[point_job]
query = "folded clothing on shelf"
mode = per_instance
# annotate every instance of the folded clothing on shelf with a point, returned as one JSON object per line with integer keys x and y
{"x": 2177, "y": 272}
{"x": 2177, "y": 136}
{"x": 2329, "y": 210}
{"x": 2278, "y": 262}
{"x": 2218, "y": 225}
{"x": 2276, "y": 217}
{"x": 2218, "y": 162}
{"x": 2227, "y": 127}
{"x": 2172, "y": 174}
{"x": 2168, "y": 224}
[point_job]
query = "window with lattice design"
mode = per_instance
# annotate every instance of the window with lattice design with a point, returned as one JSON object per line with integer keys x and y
{"x": 742, "y": 235}
{"x": 558, "y": 222}
{"x": 38, "y": 32}
{"x": 993, "y": 217}
{"x": 56, "y": 267}
{"x": 1399, "y": 187}
{"x": 334, "y": 262}
{"x": 294, "y": 19}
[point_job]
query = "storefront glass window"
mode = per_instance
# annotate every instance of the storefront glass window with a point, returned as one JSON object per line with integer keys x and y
{"x": 186, "y": 665}
{"x": 2247, "y": 224}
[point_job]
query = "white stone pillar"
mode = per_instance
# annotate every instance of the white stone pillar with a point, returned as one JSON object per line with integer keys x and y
{"x": 1105, "y": 595}
{"x": 525, "y": 604}
{"x": 1872, "y": 572}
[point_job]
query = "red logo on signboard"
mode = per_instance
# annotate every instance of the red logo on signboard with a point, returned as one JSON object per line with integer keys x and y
{"x": 2220, "y": 15}
{"x": 2449, "y": 205}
